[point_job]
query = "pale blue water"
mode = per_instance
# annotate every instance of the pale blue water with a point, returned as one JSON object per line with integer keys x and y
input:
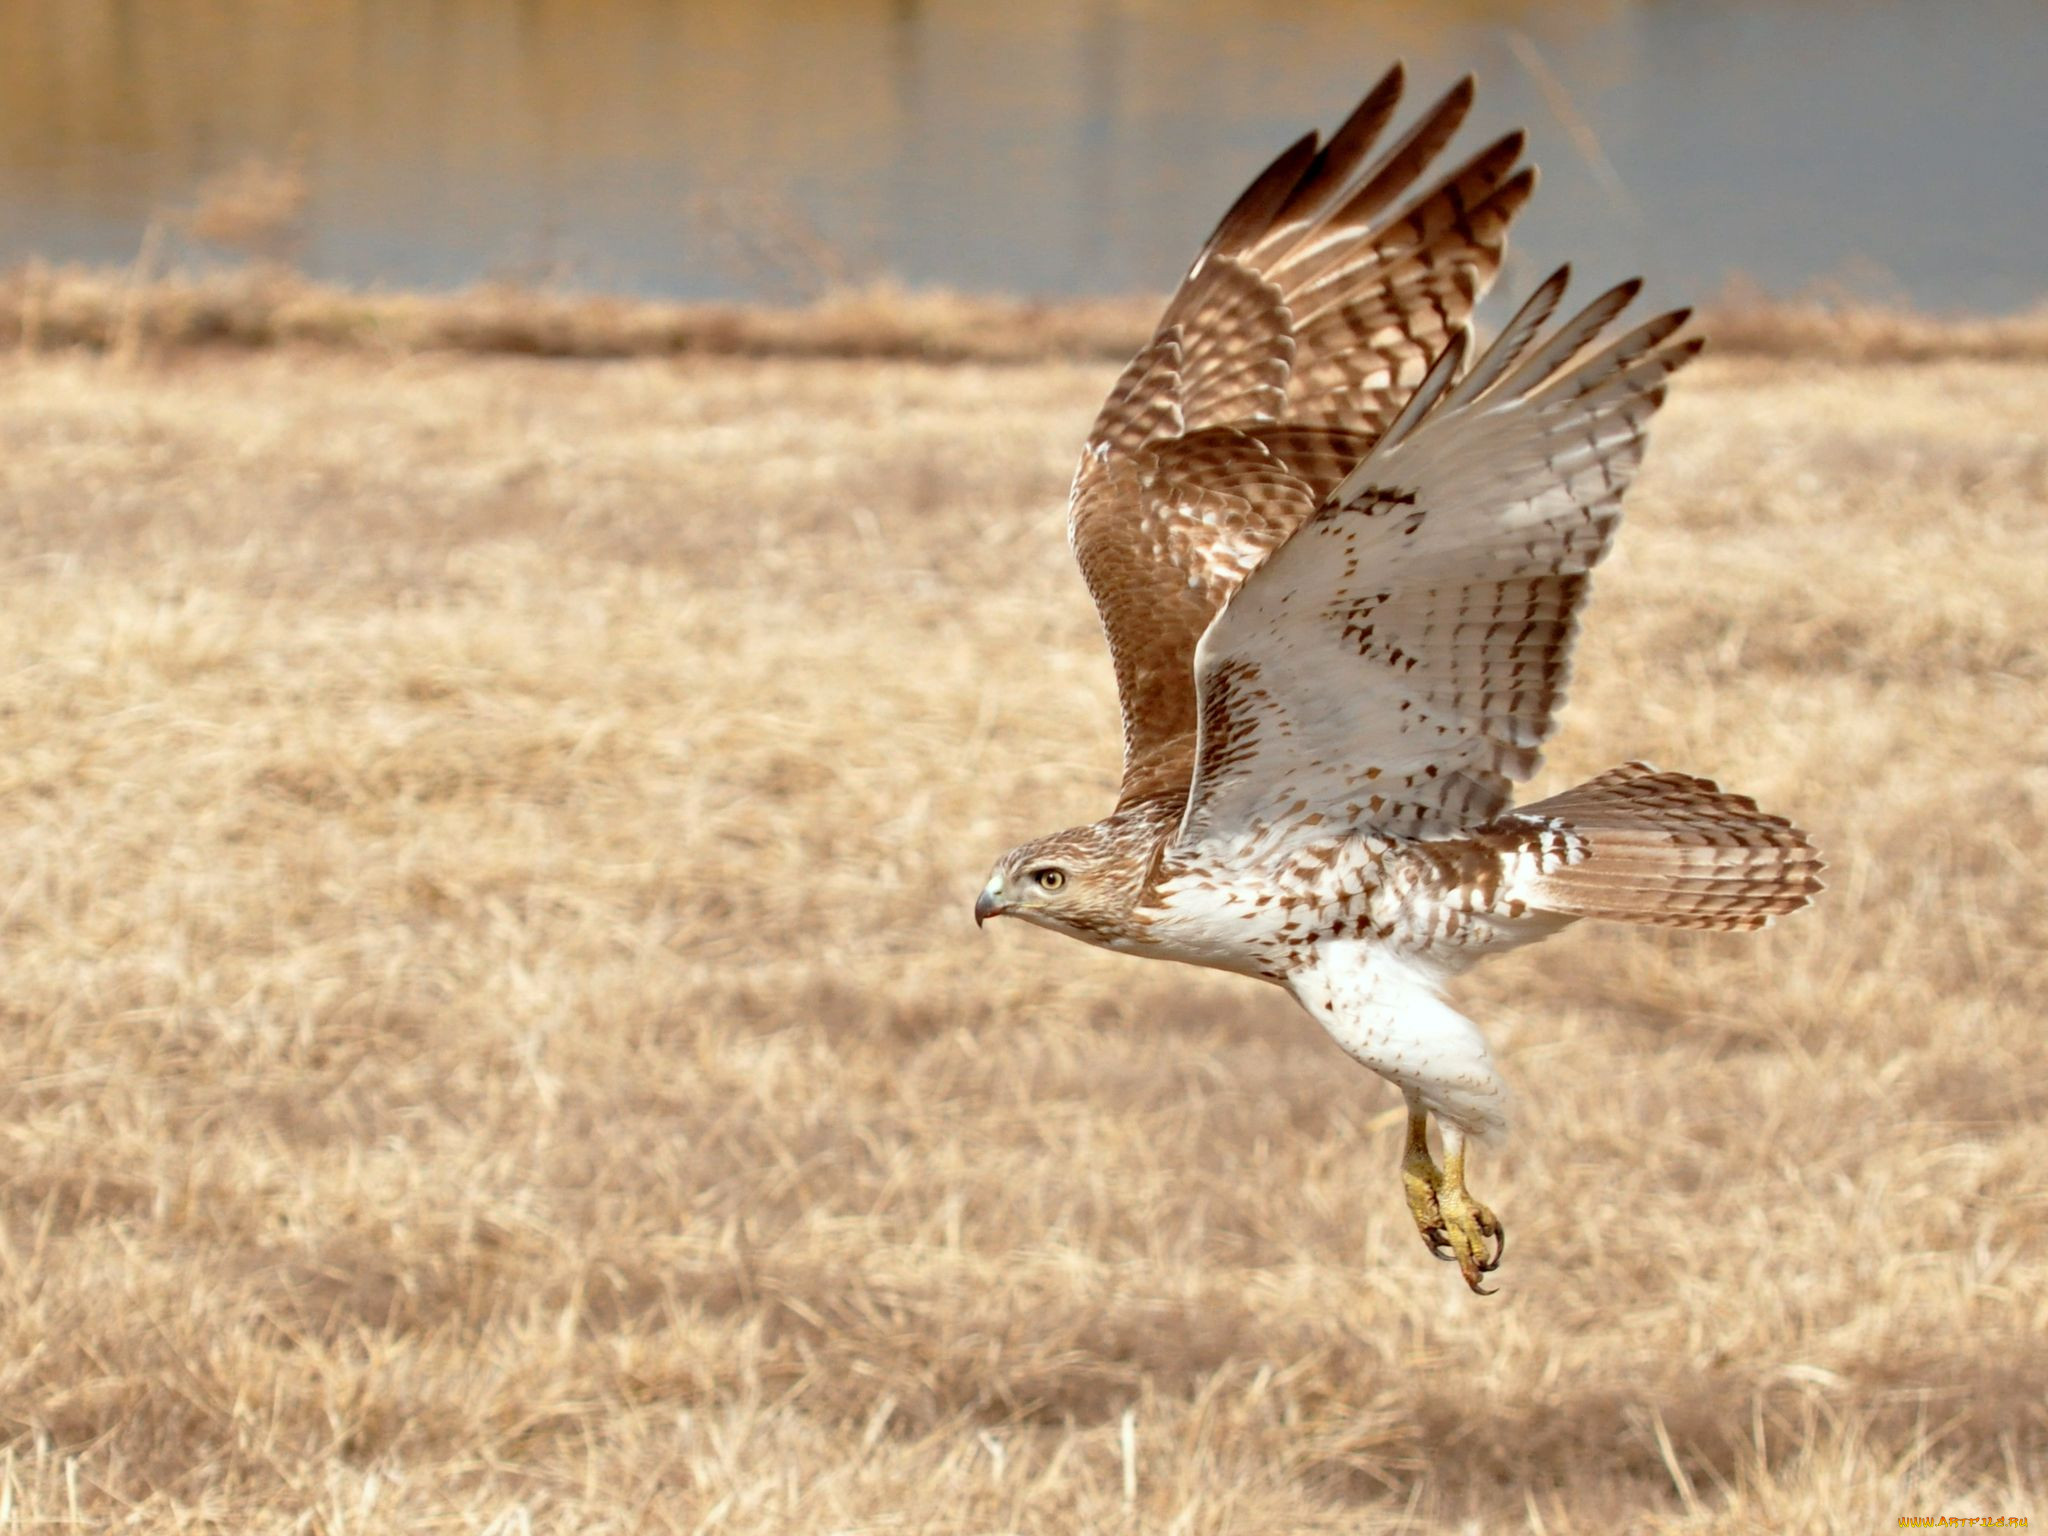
{"x": 1898, "y": 148}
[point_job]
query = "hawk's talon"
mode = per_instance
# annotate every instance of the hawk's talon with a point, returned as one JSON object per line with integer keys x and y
{"x": 1476, "y": 1236}
{"x": 1437, "y": 1241}
{"x": 1454, "y": 1226}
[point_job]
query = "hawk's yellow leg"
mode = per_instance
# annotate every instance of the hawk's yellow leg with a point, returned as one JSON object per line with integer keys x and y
{"x": 1453, "y": 1224}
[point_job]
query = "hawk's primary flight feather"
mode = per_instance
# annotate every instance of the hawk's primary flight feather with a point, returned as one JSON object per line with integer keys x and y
{"x": 1339, "y": 560}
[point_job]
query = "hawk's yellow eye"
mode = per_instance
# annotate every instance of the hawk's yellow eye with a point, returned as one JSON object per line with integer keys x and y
{"x": 1049, "y": 879}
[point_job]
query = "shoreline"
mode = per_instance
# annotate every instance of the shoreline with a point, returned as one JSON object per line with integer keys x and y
{"x": 48, "y": 308}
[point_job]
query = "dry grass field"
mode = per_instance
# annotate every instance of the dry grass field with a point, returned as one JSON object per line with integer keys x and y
{"x": 494, "y": 1037}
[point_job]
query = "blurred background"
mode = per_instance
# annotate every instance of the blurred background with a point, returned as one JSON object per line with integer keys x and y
{"x": 1888, "y": 150}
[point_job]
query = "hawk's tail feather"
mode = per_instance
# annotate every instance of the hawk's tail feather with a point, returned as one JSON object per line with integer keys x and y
{"x": 1638, "y": 846}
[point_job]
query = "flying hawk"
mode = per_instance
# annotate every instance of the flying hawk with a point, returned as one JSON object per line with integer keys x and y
{"x": 1339, "y": 559}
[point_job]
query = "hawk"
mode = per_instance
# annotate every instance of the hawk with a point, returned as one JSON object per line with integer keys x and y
{"x": 1339, "y": 553}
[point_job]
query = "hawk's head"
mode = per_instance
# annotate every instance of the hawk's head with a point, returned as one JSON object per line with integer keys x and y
{"x": 1081, "y": 882}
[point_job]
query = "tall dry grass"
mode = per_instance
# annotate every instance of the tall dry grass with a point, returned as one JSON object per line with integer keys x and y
{"x": 45, "y": 307}
{"x": 494, "y": 1037}
{"x": 256, "y": 209}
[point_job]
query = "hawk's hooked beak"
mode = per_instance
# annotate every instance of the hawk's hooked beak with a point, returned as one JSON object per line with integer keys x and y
{"x": 990, "y": 902}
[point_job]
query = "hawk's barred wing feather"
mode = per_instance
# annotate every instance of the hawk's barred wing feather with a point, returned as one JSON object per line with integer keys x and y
{"x": 1143, "y": 404}
{"x": 1402, "y": 656}
{"x": 1514, "y": 338}
{"x": 1311, "y": 309}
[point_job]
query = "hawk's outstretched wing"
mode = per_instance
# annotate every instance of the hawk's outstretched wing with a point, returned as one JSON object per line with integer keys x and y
{"x": 1400, "y": 658}
{"x": 1309, "y": 317}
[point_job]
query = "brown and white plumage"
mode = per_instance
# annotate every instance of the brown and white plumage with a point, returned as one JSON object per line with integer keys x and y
{"x": 1407, "y": 647}
{"x": 1339, "y": 560}
{"x": 1306, "y": 319}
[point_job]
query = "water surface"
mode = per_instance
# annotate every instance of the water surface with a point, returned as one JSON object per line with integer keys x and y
{"x": 1897, "y": 148}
